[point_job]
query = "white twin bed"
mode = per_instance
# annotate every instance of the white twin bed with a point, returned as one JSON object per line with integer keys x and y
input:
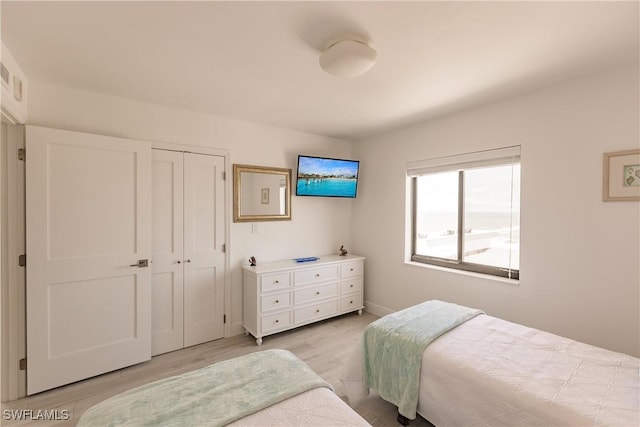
{"x": 266, "y": 388}
{"x": 491, "y": 372}
{"x": 478, "y": 371}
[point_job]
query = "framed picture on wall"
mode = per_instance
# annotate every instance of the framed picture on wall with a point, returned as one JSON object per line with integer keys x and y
{"x": 621, "y": 176}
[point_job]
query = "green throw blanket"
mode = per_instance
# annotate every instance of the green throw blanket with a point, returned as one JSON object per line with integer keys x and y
{"x": 393, "y": 347}
{"x": 212, "y": 396}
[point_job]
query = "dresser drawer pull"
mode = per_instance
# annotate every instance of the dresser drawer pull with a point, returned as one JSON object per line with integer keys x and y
{"x": 350, "y": 302}
{"x": 277, "y": 281}
{"x": 351, "y": 286}
{"x": 318, "y": 311}
{"x": 317, "y": 293}
{"x": 351, "y": 269}
{"x": 277, "y": 301}
{"x": 277, "y": 321}
{"x": 317, "y": 274}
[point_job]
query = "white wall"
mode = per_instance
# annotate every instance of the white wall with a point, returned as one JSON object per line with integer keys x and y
{"x": 4, "y": 350}
{"x": 580, "y": 256}
{"x": 319, "y": 225}
{"x": 580, "y": 274}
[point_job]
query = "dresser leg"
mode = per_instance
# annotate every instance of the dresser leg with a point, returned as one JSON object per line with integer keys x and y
{"x": 360, "y": 312}
{"x": 259, "y": 341}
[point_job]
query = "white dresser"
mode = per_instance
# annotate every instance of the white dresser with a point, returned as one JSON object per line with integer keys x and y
{"x": 282, "y": 295}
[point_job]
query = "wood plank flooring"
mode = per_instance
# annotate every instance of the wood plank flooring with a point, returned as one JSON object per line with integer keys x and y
{"x": 325, "y": 346}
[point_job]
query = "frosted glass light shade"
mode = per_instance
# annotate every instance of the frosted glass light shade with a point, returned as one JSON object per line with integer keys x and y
{"x": 348, "y": 58}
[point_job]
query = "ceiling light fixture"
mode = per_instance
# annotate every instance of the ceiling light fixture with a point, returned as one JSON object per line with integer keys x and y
{"x": 349, "y": 56}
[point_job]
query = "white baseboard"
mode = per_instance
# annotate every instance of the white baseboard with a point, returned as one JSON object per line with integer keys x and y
{"x": 236, "y": 329}
{"x": 376, "y": 309}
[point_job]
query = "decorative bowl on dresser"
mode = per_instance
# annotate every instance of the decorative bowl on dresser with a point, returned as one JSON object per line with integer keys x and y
{"x": 283, "y": 295}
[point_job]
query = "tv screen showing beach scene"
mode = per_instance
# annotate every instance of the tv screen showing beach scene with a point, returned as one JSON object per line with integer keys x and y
{"x": 324, "y": 177}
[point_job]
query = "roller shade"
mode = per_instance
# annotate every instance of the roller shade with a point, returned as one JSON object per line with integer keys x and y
{"x": 478, "y": 159}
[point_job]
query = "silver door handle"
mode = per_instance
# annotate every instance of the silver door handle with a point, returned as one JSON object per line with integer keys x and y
{"x": 141, "y": 263}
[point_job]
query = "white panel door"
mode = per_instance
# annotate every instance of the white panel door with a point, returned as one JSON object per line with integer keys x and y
{"x": 167, "y": 267}
{"x": 88, "y": 211}
{"x": 204, "y": 256}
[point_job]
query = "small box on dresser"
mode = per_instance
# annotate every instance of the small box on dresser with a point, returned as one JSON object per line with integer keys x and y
{"x": 282, "y": 295}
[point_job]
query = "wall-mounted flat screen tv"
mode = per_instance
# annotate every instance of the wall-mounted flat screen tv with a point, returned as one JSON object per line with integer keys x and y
{"x": 326, "y": 177}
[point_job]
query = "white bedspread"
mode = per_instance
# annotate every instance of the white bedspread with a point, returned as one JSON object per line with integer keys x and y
{"x": 319, "y": 407}
{"x": 490, "y": 372}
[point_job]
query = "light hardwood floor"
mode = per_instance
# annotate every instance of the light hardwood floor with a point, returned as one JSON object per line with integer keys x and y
{"x": 325, "y": 346}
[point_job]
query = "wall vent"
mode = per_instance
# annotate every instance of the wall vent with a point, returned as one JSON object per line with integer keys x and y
{"x": 14, "y": 89}
{"x": 4, "y": 72}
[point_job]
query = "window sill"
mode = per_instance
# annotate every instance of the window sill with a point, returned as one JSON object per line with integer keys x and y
{"x": 515, "y": 282}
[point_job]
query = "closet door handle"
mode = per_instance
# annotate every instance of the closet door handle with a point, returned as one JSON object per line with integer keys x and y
{"x": 141, "y": 263}
{"x": 178, "y": 262}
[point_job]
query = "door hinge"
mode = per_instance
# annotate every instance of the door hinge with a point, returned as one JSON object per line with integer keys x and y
{"x": 224, "y": 248}
{"x": 23, "y": 364}
{"x": 22, "y": 260}
{"x": 22, "y": 154}
{"x": 224, "y": 175}
{"x": 224, "y": 320}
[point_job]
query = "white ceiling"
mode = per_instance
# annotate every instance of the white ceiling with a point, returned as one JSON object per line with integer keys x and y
{"x": 258, "y": 61}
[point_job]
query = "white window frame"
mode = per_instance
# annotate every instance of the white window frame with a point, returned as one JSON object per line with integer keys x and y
{"x": 460, "y": 163}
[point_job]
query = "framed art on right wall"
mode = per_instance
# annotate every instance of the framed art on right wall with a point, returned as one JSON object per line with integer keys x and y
{"x": 621, "y": 176}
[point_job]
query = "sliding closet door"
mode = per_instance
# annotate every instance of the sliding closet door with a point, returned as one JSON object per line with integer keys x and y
{"x": 167, "y": 272}
{"x": 88, "y": 211}
{"x": 203, "y": 248}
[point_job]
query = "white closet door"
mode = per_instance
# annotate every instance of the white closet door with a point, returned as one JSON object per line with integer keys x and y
{"x": 203, "y": 248}
{"x": 88, "y": 208}
{"x": 167, "y": 272}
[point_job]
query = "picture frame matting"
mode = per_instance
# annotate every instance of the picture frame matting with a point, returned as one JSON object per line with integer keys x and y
{"x": 621, "y": 176}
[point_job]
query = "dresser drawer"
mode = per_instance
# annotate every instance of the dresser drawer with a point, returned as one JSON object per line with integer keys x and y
{"x": 303, "y": 315}
{"x": 277, "y": 301}
{"x": 273, "y": 282}
{"x": 351, "y": 302}
{"x": 272, "y": 322}
{"x": 315, "y": 275}
{"x": 350, "y": 269}
{"x": 350, "y": 286}
{"x": 315, "y": 293}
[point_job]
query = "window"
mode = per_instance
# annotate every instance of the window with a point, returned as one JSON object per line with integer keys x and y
{"x": 466, "y": 211}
